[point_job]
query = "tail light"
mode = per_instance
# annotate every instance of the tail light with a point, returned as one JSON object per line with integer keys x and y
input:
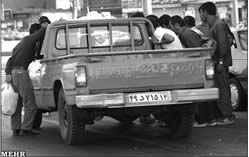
{"x": 209, "y": 66}
{"x": 80, "y": 76}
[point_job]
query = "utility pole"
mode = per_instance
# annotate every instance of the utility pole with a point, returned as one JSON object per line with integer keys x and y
{"x": 235, "y": 13}
{"x": 85, "y": 8}
{"x": 1, "y": 19}
{"x": 76, "y": 8}
{"x": 147, "y": 7}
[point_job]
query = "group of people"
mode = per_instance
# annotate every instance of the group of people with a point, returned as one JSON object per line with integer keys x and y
{"x": 171, "y": 32}
{"x": 176, "y": 33}
{"x": 17, "y": 74}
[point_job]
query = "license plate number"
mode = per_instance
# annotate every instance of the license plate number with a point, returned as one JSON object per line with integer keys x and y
{"x": 155, "y": 97}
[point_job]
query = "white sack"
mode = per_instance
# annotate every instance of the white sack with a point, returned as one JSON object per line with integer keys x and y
{"x": 9, "y": 99}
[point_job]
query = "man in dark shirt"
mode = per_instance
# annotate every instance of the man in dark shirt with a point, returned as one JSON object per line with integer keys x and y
{"x": 222, "y": 58}
{"x": 17, "y": 74}
{"x": 188, "y": 37}
{"x": 164, "y": 21}
{"x": 44, "y": 21}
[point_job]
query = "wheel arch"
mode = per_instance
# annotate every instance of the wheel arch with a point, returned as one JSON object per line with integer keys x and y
{"x": 233, "y": 76}
{"x": 241, "y": 102}
{"x": 58, "y": 84}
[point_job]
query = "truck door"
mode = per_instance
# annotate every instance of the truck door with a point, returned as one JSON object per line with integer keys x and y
{"x": 46, "y": 79}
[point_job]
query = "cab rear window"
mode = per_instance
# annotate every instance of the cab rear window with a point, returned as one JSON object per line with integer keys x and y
{"x": 121, "y": 36}
{"x": 100, "y": 36}
{"x": 78, "y": 37}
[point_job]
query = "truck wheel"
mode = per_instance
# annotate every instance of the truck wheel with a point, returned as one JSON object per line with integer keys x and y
{"x": 38, "y": 120}
{"x": 125, "y": 119}
{"x": 72, "y": 129}
{"x": 179, "y": 122}
{"x": 237, "y": 95}
{"x": 147, "y": 119}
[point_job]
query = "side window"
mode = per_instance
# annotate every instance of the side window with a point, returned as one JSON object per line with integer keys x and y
{"x": 121, "y": 35}
{"x": 59, "y": 48}
{"x": 78, "y": 37}
{"x": 61, "y": 39}
{"x": 138, "y": 40}
{"x": 100, "y": 36}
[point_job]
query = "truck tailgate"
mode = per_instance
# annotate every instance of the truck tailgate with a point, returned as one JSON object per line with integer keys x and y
{"x": 135, "y": 72}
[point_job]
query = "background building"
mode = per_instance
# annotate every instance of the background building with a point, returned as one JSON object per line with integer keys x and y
{"x": 19, "y": 14}
{"x": 235, "y": 11}
{"x": 20, "y": 4}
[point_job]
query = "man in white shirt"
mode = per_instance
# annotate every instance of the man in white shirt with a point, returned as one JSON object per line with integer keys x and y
{"x": 162, "y": 35}
{"x": 166, "y": 37}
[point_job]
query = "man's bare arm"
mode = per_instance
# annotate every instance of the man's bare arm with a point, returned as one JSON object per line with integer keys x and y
{"x": 166, "y": 39}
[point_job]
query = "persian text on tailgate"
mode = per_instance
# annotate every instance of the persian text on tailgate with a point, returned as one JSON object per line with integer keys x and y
{"x": 116, "y": 71}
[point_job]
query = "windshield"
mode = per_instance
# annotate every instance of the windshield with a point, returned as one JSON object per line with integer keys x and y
{"x": 243, "y": 38}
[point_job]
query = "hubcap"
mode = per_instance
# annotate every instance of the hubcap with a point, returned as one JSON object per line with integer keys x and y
{"x": 234, "y": 95}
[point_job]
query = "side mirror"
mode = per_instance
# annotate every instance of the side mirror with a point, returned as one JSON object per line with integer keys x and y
{"x": 235, "y": 45}
{"x": 39, "y": 57}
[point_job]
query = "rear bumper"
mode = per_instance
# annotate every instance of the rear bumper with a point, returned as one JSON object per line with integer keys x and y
{"x": 119, "y": 100}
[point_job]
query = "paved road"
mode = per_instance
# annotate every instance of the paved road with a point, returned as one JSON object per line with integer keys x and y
{"x": 109, "y": 138}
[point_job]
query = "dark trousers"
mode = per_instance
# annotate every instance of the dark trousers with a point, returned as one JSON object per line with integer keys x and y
{"x": 207, "y": 111}
{"x": 23, "y": 85}
{"x": 222, "y": 108}
{"x": 222, "y": 82}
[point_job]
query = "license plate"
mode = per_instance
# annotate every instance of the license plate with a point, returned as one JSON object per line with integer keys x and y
{"x": 151, "y": 97}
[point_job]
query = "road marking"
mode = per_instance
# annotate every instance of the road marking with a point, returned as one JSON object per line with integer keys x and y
{"x": 140, "y": 140}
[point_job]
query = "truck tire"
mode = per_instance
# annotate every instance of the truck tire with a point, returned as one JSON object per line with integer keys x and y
{"x": 38, "y": 120}
{"x": 72, "y": 129}
{"x": 126, "y": 119}
{"x": 179, "y": 122}
{"x": 237, "y": 95}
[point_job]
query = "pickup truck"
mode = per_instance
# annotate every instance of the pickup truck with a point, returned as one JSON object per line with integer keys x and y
{"x": 107, "y": 67}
